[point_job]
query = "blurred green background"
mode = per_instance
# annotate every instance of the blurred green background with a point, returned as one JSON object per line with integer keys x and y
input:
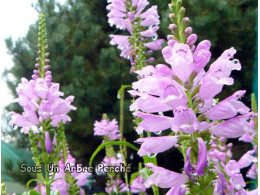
{"x": 88, "y": 67}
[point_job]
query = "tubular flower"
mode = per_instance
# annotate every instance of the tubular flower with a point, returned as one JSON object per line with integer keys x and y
{"x": 150, "y": 144}
{"x": 164, "y": 178}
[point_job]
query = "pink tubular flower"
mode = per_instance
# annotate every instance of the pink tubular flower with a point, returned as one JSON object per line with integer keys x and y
{"x": 184, "y": 120}
{"x": 232, "y": 128}
{"x": 178, "y": 190}
{"x": 202, "y": 158}
{"x": 164, "y": 178}
{"x": 40, "y": 99}
{"x": 153, "y": 123}
{"x": 137, "y": 185}
{"x": 218, "y": 75}
{"x": 150, "y": 144}
{"x": 107, "y": 128}
{"x": 228, "y": 108}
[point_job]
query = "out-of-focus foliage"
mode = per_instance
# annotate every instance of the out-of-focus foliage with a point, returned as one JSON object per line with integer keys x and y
{"x": 89, "y": 68}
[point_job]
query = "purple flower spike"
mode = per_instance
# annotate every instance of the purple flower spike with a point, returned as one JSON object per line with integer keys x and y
{"x": 202, "y": 158}
{"x": 107, "y": 128}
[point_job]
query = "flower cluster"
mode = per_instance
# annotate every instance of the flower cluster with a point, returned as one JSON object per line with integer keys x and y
{"x": 107, "y": 128}
{"x": 199, "y": 120}
{"x": 41, "y": 100}
{"x": 141, "y": 23}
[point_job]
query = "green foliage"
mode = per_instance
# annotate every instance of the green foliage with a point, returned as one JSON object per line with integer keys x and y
{"x": 3, "y": 189}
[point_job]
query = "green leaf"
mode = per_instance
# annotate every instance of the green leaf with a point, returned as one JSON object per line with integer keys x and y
{"x": 31, "y": 192}
{"x": 30, "y": 181}
{"x": 56, "y": 192}
{"x": 101, "y": 146}
{"x": 133, "y": 176}
{"x": 145, "y": 173}
{"x": 122, "y": 89}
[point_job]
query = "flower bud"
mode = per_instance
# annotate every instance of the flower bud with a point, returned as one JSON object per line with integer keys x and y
{"x": 171, "y": 16}
{"x": 169, "y": 37}
{"x": 186, "y": 20}
{"x": 47, "y": 73}
{"x": 222, "y": 139}
{"x": 230, "y": 145}
{"x": 149, "y": 52}
{"x": 46, "y": 61}
{"x": 36, "y": 72}
{"x": 188, "y": 30}
{"x": 151, "y": 59}
{"x": 37, "y": 65}
{"x": 192, "y": 39}
{"x": 49, "y": 77}
{"x": 172, "y": 27}
{"x": 34, "y": 77}
{"x": 171, "y": 42}
{"x": 46, "y": 67}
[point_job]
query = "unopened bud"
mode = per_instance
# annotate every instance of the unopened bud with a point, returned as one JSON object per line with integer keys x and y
{"x": 37, "y": 65}
{"x": 46, "y": 67}
{"x": 230, "y": 145}
{"x": 172, "y": 27}
{"x": 188, "y": 30}
{"x": 149, "y": 52}
{"x": 171, "y": 16}
{"x": 171, "y": 42}
{"x": 47, "y": 73}
{"x": 49, "y": 77}
{"x": 186, "y": 20}
{"x": 222, "y": 139}
{"x": 169, "y": 37}
{"x": 151, "y": 59}
{"x": 34, "y": 77}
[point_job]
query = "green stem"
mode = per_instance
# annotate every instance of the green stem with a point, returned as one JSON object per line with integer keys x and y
{"x": 47, "y": 185}
{"x": 123, "y": 149}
